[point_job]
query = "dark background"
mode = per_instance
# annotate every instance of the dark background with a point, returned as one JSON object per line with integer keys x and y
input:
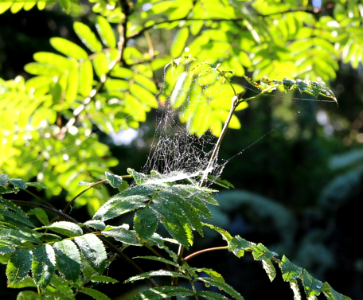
{"x": 292, "y": 200}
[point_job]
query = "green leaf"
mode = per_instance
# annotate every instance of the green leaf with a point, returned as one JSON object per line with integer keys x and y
{"x": 7, "y": 190}
{"x": 36, "y": 184}
{"x": 145, "y": 223}
{"x": 104, "y": 279}
{"x": 58, "y": 61}
{"x": 101, "y": 64}
{"x": 87, "y": 37}
{"x": 68, "y": 48}
{"x": 105, "y": 31}
{"x": 62, "y": 286}
{"x": 13, "y": 207}
{"x": 211, "y": 295}
{"x": 160, "y": 259}
{"x": 92, "y": 249}
{"x": 332, "y": 294}
{"x": 6, "y": 247}
{"x": 179, "y": 41}
{"x": 144, "y": 96}
{"x": 21, "y": 184}
{"x": 28, "y": 295}
{"x": 289, "y": 270}
{"x": 42, "y": 69}
{"x": 260, "y": 252}
{"x": 63, "y": 227}
{"x": 269, "y": 268}
{"x": 85, "y": 78}
{"x": 225, "y": 234}
{"x": 66, "y": 5}
{"x": 72, "y": 85}
{"x": 124, "y": 236}
{"x": 98, "y": 225}
{"x": 221, "y": 285}
{"x": 4, "y": 178}
{"x": 40, "y": 214}
{"x": 156, "y": 273}
{"x": 18, "y": 237}
{"x": 161, "y": 292}
{"x": 238, "y": 245}
{"x": 114, "y": 180}
{"x": 95, "y": 294}
{"x": 18, "y": 265}
{"x": 68, "y": 259}
{"x": 17, "y": 217}
{"x": 27, "y": 282}
{"x": 138, "y": 177}
{"x": 311, "y": 285}
{"x": 43, "y": 265}
{"x": 118, "y": 206}
{"x": 210, "y": 272}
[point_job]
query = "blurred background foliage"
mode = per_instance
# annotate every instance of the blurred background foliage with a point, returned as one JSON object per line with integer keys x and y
{"x": 298, "y": 176}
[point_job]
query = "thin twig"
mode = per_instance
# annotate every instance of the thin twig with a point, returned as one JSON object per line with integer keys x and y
{"x": 40, "y": 199}
{"x": 204, "y": 251}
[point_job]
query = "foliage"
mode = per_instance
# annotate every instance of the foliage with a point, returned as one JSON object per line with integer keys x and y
{"x": 110, "y": 83}
{"x": 65, "y": 262}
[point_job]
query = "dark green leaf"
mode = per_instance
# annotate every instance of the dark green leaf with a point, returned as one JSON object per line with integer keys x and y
{"x": 13, "y": 207}
{"x": 105, "y": 31}
{"x": 98, "y": 225}
{"x": 225, "y": 234}
{"x": 161, "y": 259}
{"x": 68, "y": 259}
{"x": 7, "y": 190}
{"x": 145, "y": 223}
{"x": 222, "y": 286}
{"x": 92, "y": 249}
{"x": 17, "y": 217}
{"x": 118, "y": 206}
{"x": 40, "y": 214}
{"x": 289, "y": 270}
{"x": 43, "y": 264}
{"x": 18, "y": 237}
{"x": 156, "y": 273}
{"x": 87, "y": 36}
{"x": 238, "y": 245}
{"x": 311, "y": 285}
{"x": 113, "y": 179}
{"x": 94, "y": 294}
{"x": 6, "y": 247}
{"x": 332, "y": 294}
{"x": 138, "y": 177}
{"x": 101, "y": 278}
{"x": 65, "y": 228}
{"x": 211, "y": 295}
{"x": 163, "y": 292}
{"x": 18, "y": 265}
{"x": 36, "y": 184}
{"x": 21, "y": 184}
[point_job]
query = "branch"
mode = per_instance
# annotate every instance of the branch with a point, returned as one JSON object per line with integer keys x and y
{"x": 204, "y": 251}
{"x": 117, "y": 251}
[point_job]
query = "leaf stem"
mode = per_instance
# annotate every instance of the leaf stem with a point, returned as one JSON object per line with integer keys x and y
{"x": 204, "y": 251}
{"x": 158, "y": 254}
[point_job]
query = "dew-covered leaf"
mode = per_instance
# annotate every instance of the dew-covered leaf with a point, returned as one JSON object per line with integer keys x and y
{"x": 19, "y": 265}
{"x": 87, "y": 37}
{"x": 4, "y": 178}
{"x": 145, "y": 223}
{"x": 68, "y": 259}
{"x": 21, "y": 184}
{"x": 40, "y": 214}
{"x": 36, "y": 184}
{"x": 311, "y": 285}
{"x": 18, "y": 237}
{"x": 119, "y": 205}
{"x": 92, "y": 249}
{"x": 125, "y": 236}
{"x": 138, "y": 177}
{"x": 16, "y": 217}
{"x": 104, "y": 279}
{"x": 156, "y": 274}
{"x": 8, "y": 190}
{"x": 95, "y": 294}
{"x": 222, "y": 286}
{"x": 289, "y": 270}
{"x": 6, "y": 247}
{"x": 211, "y": 295}
{"x": 13, "y": 207}
{"x": 96, "y": 224}
{"x": 269, "y": 268}
{"x": 43, "y": 264}
{"x": 105, "y": 31}
{"x": 114, "y": 180}
{"x": 161, "y": 259}
{"x": 260, "y": 252}
{"x": 161, "y": 292}
{"x": 66, "y": 228}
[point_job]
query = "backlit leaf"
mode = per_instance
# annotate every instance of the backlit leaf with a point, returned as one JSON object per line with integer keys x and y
{"x": 87, "y": 37}
{"x": 68, "y": 48}
{"x": 179, "y": 41}
{"x": 114, "y": 180}
{"x": 43, "y": 264}
{"x": 105, "y": 31}
{"x": 65, "y": 228}
{"x": 19, "y": 265}
{"x": 289, "y": 270}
